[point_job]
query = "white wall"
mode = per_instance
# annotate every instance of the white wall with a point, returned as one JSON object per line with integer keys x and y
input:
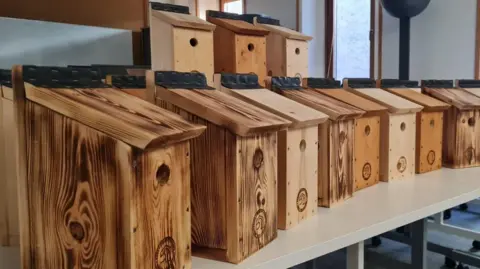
{"x": 284, "y": 10}
{"x": 46, "y": 43}
{"x": 312, "y": 23}
{"x": 442, "y": 43}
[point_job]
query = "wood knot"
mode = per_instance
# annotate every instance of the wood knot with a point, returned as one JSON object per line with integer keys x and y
{"x": 77, "y": 231}
{"x": 303, "y": 145}
{"x": 260, "y": 199}
{"x": 258, "y": 158}
{"x": 342, "y": 136}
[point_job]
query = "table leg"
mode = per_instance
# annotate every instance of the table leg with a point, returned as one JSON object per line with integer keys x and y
{"x": 355, "y": 256}
{"x": 419, "y": 244}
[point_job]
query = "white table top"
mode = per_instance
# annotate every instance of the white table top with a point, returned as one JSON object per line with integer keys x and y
{"x": 370, "y": 212}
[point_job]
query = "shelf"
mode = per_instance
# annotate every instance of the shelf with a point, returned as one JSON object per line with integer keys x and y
{"x": 370, "y": 212}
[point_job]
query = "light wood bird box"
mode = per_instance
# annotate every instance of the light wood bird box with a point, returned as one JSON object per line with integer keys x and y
{"x": 101, "y": 173}
{"x": 234, "y": 165}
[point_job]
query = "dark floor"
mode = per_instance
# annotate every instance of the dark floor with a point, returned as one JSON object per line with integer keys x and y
{"x": 393, "y": 255}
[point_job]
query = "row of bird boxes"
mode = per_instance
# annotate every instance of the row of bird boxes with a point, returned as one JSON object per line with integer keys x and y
{"x": 226, "y": 42}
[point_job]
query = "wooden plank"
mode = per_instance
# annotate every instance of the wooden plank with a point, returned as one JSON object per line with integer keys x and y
{"x": 73, "y": 217}
{"x": 395, "y": 104}
{"x": 429, "y": 137}
{"x": 117, "y": 114}
{"x": 140, "y": 93}
{"x": 161, "y": 44}
{"x": 465, "y": 150}
{"x": 367, "y": 152}
{"x": 239, "y": 27}
{"x": 285, "y": 32}
{"x": 297, "y": 176}
{"x": 355, "y": 100}
{"x": 224, "y": 47}
{"x": 193, "y": 52}
{"x": 162, "y": 208}
{"x": 4, "y": 229}
{"x": 183, "y": 20}
{"x": 459, "y": 98}
{"x": 276, "y": 55}
{"x": 251, "y": 56}
{"x": 300, "y": 115}
{"x": 335, "y": 109}
{"x": 449, "y": 136}
{"x": 401, "y": 147}
{"x": 297, "y": 58}
{"x": 224, "y": 110}
{"x": 428, "y": 103}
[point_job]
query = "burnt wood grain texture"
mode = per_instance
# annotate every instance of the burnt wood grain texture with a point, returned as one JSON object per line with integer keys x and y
{"x": 234, "y": 171}
{"x": 90, "y": 200}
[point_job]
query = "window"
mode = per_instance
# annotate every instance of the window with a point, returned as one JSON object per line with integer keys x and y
{"x": 233, "y": 6}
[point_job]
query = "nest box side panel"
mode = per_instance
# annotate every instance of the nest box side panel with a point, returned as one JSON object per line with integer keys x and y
{"x": 251, "y": 56}
{"x": 161, "y": 199}
{"x": 8, "y": 158}
{"x": 467, "y": 148}
{"x": 256, "y": 177}
{"x": 224, "y": 50}
{"x": 449, "y": 136}
{"x": 401, "y": 137}
{"x": 161, "y": 43}
{"x": 72, "y": 194}
{"x": 297, "y": 58}
{"x": 299, "y": 180}
{"x": 193, "y": 51}
{"x": 4, "y": 237}
{"x": 276, "y": 57}
{"x": 367, "y": 152}
{"x": 429, "y": 141}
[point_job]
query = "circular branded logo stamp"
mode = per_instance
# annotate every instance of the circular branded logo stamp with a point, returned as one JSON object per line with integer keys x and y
{"x": 165, "y": 256}
{"x": 302, "y": 200}
{"x": 367, "y": 171}
{"x": 431, "y": 157}
{"x": 259, "y": 223}
{"x": 402, "y": 164}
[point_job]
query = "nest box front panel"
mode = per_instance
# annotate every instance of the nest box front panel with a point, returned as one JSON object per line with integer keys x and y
{"x": 401, "y": 138}
{"x": 429, "y": 141}
{"x": 161, "y": 199}
{"x": 296, "y": 58}
{"x": 193, "y": 51}
{"x": 367, "y": 152}
{"x": 467, "y": 140}
{"x": 250, "y": 56}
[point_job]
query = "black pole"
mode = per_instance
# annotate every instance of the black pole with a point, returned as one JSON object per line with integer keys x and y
{"x": 404, "y": 49}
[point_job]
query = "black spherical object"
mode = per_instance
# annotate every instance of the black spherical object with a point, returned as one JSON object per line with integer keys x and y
{"x": 405, "y": 8}
{"x": 376, "y": 241}
{"x": 476, "y": 245}
{"x": 464, "y": 207}
{"x": 447, "y": 214}
{"x": 450, "y": 263}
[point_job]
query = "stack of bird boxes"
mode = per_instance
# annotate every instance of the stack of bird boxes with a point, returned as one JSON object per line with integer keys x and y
{"x": 100, "y": 173}
{"x": 397, "y": 129}
{"x": 234, "y": 165}
{"x": 462, "y": 145}
{"x": 297, "y": 147}
{"x": 366, "y": 153}
{"x": 429, "y": 123}
{"x": 335, "y": 137}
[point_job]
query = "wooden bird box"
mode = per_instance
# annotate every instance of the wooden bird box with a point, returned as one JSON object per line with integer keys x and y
{"x": 9, "y": 226}
{"x": 240, "y": 47}
{"x": 297, "y": 147}
{"x": 397, "y": 129}
{"x": 134, "y": 85}
{"x": 287, "y": 50}
{"x": 429, "y": 123}
{"x": 234, "y": 165}
{"x": 335, "y": 137}
{"x": 101, "y": 173}
{"x": 366, "y": 152}
{"x": 460, "y": 128}
{"x": 180, "y": 41}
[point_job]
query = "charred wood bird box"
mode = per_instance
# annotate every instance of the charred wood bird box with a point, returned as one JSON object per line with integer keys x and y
{"x": 397, "y": 129}
{"x": 366, "y": 151}
{"x": 297, "y": 147}
{"x": 335, "y": 139}
{"x": 460, "y": 128}
{"x": 240, "y": 47}
{"x": 180, "y": 41}
{"x": 429, "y": 123}
{"x": 134, "y": 85}
{"x": 9, "y": 226}
{"x": 234, "y": 165}
{"x": 100, "y": 173}
{"x": 287, "y": 50}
